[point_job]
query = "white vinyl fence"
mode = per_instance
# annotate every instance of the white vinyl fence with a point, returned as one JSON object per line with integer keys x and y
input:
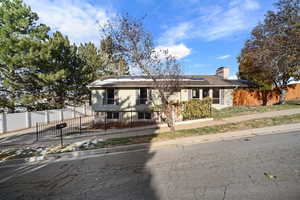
{"x": 16, "y": 121}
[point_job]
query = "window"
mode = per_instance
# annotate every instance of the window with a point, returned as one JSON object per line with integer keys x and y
{"x": 144, "y": 115}
{"x": 195, "y": 93}
{"x": 216, "y": 96}
{"x": 205, "y": 92}
{"x": 222, "y": 97}
{"x": 110, "y": 95}
{"x": 112, "y": 115}
{"x": 143, "y": 97}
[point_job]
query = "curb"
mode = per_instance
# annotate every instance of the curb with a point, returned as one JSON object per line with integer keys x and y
{"x": 281, "y": 129}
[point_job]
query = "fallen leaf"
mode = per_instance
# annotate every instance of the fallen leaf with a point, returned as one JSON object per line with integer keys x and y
{"x": 270, "y": 176}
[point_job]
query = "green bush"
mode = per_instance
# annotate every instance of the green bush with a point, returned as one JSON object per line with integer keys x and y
{"x": 196, "y": 109}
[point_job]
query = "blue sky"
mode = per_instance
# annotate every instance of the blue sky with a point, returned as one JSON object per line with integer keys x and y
{"x": 201, "y": 34}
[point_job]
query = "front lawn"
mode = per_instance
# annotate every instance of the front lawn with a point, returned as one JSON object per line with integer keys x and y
{"x": 243, "y": 110}
{"x": 258, "y": 123}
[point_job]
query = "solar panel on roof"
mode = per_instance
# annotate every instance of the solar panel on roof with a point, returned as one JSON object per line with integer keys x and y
{"x": 197, "y": 78}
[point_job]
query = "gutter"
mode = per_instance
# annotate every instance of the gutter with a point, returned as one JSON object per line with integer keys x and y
{"x": 184, "y": 87}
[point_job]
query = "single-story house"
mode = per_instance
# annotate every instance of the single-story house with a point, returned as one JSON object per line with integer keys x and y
{"x": 116, "y": 94}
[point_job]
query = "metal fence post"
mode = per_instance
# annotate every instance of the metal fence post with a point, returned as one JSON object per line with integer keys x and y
{"x": 105, "y": 121}
{"x": 131, "y": 119}
{"x": 37, "y": 131}
{"x": 80, "y": 125}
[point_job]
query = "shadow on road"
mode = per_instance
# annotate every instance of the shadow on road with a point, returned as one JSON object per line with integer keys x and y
{"x": 112, "y": 176}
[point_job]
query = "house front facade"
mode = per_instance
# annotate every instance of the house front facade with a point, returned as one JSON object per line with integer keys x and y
{"x": 116, "y": 95}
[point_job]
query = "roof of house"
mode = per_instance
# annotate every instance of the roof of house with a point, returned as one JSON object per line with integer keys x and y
{"x": 187, "y": 81}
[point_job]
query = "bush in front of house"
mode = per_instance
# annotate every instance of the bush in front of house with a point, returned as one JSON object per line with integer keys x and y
{"x": 196, "y": 109}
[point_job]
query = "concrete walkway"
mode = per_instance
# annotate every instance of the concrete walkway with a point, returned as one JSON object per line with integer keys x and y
{"x": 21, "y": 139}
{"x": 17, "y": 133}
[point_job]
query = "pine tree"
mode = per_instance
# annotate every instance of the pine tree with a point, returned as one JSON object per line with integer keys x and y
{"x": 115, "y": 63}
{"x": 92, "y": 60}
{"x": 21, "y": 39}
{"x": 55, "y": 71}
{"x": 41, "y": 71}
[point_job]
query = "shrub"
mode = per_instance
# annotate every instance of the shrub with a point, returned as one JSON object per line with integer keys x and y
{"x": 196, "y": 109}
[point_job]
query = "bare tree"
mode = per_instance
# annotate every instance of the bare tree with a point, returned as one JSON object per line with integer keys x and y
{"x": 130, "y": 40}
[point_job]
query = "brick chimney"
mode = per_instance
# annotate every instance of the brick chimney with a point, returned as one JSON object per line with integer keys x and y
{"x": 223, "y": 72}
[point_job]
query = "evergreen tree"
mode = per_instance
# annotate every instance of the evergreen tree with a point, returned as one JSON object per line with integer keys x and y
{"x": 41, "y": 71}
{"x": 93, "y": 61}
{"x": 56, "y": 70}
{"x": 21, "y": 39}
{"x": 115, "y": 63}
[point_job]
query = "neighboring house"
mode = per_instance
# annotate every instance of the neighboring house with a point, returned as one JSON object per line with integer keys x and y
{"x": 118, "y": 94}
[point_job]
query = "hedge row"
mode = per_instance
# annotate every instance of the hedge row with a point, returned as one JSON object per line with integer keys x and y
{"x": 196, "y": 109}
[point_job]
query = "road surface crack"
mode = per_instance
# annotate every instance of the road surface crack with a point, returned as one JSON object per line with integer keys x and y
{"x": 225, "y": 190}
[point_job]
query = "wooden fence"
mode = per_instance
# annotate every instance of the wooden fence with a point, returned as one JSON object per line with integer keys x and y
{"x": 257, "y": 98}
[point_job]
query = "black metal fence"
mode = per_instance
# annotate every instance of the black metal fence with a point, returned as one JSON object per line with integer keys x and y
{"x": 73, "y": 126}
{"x": 102, "y": 120}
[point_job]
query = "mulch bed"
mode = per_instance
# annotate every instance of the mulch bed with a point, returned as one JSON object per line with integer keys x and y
{"x": 111, "y": 125}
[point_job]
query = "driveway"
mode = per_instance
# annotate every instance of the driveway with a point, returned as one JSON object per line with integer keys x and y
{"x": 261, "y": 167}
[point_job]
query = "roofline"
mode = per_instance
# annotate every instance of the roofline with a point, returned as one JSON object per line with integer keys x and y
{"x": 188, "y": 86}
{"x": 143, "y": 81}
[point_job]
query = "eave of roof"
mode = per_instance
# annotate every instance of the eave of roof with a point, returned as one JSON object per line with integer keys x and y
{"x": 187, "y": 81}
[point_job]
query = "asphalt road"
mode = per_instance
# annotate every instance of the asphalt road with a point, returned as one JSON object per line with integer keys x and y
{"x": 262, "y": 167}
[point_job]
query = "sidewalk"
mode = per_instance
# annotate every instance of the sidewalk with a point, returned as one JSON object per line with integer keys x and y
{"x": 17, "y": 133}
{"x": 27, "y": 138}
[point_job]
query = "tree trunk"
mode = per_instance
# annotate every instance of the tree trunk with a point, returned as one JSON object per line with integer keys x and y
{"x": 282, "y": 96}
{"x": 265, "y": 95}
{"x": 170, "y": 113}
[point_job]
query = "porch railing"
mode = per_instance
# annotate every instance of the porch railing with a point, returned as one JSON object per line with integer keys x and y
{"x": 110, "y": 101}
{"x": 141, "y": 101}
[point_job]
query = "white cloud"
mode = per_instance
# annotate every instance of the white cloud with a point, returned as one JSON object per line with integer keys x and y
{"x": 78, "y": 20}
{"x": 169, "y": 38}
{"x": 175, "y": 33}
{"x": 178, "y": 51}
{"x": 251, "y": 5}
{"x": 215, "y": 22}
{"x": 246, "y": 4}
{"x": 223, "y": 57}
{"x": 224, "y": 24}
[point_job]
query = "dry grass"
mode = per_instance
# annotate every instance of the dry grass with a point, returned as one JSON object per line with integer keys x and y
{"x": 243, "y": 110}
{"x": 259, "y": 123}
